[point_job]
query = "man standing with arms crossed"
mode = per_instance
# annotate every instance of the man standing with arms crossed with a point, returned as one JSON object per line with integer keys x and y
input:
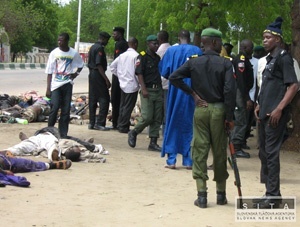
{"x": 60, "y": 69}
{"x": 212, "y": 81}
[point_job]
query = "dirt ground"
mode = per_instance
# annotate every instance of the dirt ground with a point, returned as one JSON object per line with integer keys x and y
{"x": 131, "y": 189}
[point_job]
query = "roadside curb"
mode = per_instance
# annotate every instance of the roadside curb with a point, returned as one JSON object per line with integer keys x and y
{"x": 10, "y": 66}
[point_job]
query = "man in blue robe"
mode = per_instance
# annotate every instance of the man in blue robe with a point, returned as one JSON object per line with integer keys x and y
{"x": 180, "y": 106}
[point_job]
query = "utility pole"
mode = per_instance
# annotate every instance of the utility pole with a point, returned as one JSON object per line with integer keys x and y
{"x": 78, "y": 27}
{"x": 128, "y": 20}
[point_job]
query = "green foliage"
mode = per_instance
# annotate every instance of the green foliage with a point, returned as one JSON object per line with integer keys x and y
{"x": 28, "y": 23}
{"x": 38, "y": 22}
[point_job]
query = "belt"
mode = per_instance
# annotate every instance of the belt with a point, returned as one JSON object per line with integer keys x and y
{"x": 153, "y": 85}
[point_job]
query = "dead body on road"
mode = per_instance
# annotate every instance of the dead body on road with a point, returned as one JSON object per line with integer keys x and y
{"x": 47, "y": 143}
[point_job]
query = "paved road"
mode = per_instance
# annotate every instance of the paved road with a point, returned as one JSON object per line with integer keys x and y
{"x": 14, "y": 82}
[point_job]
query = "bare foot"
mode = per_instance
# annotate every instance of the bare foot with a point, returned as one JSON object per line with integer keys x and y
{"x": 22, "y": 136}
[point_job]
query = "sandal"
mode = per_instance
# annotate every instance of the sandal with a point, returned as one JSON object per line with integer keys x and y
{"x": 55, "y": 155}
{"x": 64, "y": 164}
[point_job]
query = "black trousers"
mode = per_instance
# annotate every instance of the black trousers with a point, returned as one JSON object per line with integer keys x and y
{"x": 115, "y": 100}
{"x": 61, "y": 99}
{"x": 128, "y": 101}
{"x": 270, "y": 141}
{"x": 98, "y": 94}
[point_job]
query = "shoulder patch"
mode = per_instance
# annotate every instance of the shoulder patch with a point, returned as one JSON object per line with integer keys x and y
{"x": 142, "y": 53}
{"x": 242, "y": 57}
{"x": 229, "y": 58}
{"x": 193, "y": 56}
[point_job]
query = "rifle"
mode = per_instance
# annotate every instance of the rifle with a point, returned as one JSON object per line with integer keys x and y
{"x": 233, "y": 164}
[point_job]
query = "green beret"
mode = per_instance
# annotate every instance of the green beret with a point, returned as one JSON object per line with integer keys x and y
{"x": 211, "y": 32}
{"x": 152, "y": 38}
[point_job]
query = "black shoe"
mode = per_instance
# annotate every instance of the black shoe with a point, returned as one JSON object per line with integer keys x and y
{"x": 101, "y": 128}
{"x": 242, "y": 154}
{"x": 245, "y": 146}
{"x": 221, "y": 198}
{"x": 154, "y": 147}
{"x": 132, "y": 138}
{"x": 90, "y": 126}
{"x": 202, "y": 200}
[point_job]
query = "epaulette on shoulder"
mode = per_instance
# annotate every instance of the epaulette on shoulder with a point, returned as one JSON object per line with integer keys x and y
{"x": 242, "y": 57}
{"x": 143, "y": 53}
{"x": 193, "y": 56}
{"x": 227, "y": 57}
{"x": 283, "y": 52}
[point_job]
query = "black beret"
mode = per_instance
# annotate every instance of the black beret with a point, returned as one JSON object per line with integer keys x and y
{"x": 119, "y": 29}
{"x": 104, "y": 35}
{"x": 228, "y": 44}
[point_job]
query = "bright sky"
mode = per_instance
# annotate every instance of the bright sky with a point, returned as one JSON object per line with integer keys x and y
{"x": 63, "y": 2}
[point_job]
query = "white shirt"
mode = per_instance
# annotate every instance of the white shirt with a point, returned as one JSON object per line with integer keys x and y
{"x": 161, "y": 52}
{"x": 261, "y": 66}
{"x": 254, "y": 63}
{"x": 162, "y": 49}
{"x": 124, "y": 68}
{"x": 60, "y": 64}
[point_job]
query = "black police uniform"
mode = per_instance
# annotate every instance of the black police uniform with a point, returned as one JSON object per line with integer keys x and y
{"x": 277, "y": 76}
{"x": 244, "y": 78}
{"x": 98, "y": 91}
{"x": 120, "y": 47}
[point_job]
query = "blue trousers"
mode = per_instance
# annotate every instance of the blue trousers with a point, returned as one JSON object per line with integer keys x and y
{"x": 22, "y": 165}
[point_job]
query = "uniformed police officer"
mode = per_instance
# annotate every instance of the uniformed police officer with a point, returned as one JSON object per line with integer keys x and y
{"x": 212, "y": 81}
{"x": 150, "y": 95}
{"x": 98, "y": 83}
{"x": 279, "y": 86}
{"x": 121, "y": 46}
{"x": 244, "y": 77}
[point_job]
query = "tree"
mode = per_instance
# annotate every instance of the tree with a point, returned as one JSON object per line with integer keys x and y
{"x": 293, "y": 142}
{"x": 46, "y": 30}
{"x": 27, "y": 24}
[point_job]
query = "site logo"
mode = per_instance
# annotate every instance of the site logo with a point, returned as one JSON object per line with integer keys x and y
{"x": 265, "y": 209}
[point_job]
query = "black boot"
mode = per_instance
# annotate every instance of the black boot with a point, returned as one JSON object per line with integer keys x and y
{"x": 132, "y": 138}
{"x": 221, "y": 198}
{"x": 202, "y": 200}
{"x": 153, "y": 146}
